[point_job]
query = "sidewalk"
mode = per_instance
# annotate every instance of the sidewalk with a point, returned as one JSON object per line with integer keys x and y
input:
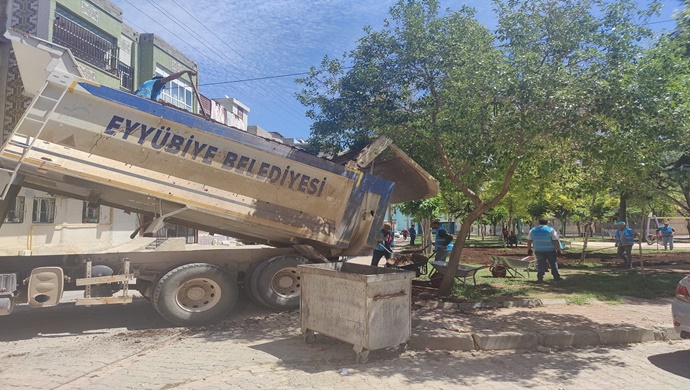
{"x": 540, "y": 325}
{"x": 537, "y": 324}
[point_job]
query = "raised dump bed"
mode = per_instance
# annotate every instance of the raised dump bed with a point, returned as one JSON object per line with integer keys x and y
{"x": 99, "y": 144}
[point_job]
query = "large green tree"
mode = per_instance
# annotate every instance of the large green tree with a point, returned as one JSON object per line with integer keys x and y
{"x": 471, "y": 107}
{"x": 432, "y": 82}
{"x": 666, "y": 75}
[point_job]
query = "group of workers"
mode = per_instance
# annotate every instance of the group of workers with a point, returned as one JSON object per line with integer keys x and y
{"x": 384, "y": 247}
{"x": 542, "y": 241}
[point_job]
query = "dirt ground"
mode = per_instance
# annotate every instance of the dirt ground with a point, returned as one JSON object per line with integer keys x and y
{"x": 667, "y": 259}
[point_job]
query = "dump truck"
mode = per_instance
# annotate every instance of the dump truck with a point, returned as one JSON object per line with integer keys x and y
{"x": 90, "y": 142}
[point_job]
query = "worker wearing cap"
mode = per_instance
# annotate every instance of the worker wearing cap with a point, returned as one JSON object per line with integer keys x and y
{"x": 151, "y": 89}
{"x": 384, "y": 248}
{"x": 544, "y": 238}
{"x": 667, "y": 231}
{"x": 625, "y": 238}
{"x": 441, "y": 241}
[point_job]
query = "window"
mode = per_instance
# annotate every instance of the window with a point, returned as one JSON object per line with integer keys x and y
{"x": 16, "y": 210}
{"x": 177, "y": 92}
{"x": 44, "y": 210}
{"x": 86, "y": 42}
{"x": 126, "y": 76}
{"x": 91, "y": 213}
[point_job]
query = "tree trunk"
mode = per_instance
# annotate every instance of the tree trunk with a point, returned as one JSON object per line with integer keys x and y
{"x": 623, "y": 207}
{"x": 588, "y": 228}
{"x": 449, "y": 278}
{"x": 426, "y": 234}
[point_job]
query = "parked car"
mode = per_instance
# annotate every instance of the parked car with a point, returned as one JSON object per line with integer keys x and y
{"x": 681, "y": 308}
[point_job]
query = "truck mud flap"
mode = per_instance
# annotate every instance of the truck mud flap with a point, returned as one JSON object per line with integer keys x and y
{"x": 45, "y": 286}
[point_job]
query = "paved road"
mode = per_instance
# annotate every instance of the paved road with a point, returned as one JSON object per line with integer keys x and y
{"x": 123, "y": 347}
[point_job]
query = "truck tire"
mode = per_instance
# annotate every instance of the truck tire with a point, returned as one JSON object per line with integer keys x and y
{"x": 194, "y": 294}
{"x": 250, "y": 283}
{"x": 278, "y": 283}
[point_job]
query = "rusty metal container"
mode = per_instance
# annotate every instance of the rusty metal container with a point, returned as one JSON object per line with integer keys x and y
{"x": 369, "y": 307}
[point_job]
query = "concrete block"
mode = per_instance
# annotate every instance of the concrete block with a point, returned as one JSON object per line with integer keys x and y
{"x": 479, "y": 305}
{"x": 523, "y": 303}
{"x": 506, "y": 340}
{"x": 442, "y": 340}
{"x": 554, "y": 301}
{"x": 567, "y": 338}
{"x": 626, "y": 335}
{"x": 664, "y": 333}
{"x": 446, "y": 305}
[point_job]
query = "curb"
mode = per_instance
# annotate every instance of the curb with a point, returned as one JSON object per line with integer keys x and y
{"x": 496, "y": 305}
{"x": 538, "y": 340}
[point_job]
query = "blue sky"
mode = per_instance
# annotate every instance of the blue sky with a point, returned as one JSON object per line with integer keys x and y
{"x": 248, "y": 39}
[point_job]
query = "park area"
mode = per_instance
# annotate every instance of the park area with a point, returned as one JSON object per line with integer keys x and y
{"x": 599, "y": 277}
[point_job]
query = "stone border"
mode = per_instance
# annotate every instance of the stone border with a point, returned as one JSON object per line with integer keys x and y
{"x": 496, "y": 305}
{"x": 541, "y": 341}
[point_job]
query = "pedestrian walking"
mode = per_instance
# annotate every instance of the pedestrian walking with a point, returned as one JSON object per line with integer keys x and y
{"x": 544, "y": 238}
{"x": 413, "y": 234}
{"x": 625, "y": 238}
{"x": 667, "y": 232}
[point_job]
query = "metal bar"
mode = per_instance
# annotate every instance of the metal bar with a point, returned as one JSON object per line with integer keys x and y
{"x": 87, "y": 290}
{"x": 104, "y": 280}
{"x": 125, "y": 284}
{"x": 103, "y": 301}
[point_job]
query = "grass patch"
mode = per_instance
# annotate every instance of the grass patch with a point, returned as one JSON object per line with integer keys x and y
{"x": 579, "y": 286}
{"x": 584, "y": 265}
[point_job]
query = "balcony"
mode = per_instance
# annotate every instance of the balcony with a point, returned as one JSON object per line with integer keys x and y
{"x": 85, "y": 45}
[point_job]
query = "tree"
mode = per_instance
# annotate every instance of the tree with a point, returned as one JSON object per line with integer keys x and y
{"x": 472, "y": 114}
{"x": 432, "y": 83}
{"x": 665, "y": 71}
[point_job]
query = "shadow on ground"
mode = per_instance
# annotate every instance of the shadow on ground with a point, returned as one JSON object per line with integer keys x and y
{"x": 67, "y": 319}
{"x": 676, "y": 363}
{"x": 518, "y": 368}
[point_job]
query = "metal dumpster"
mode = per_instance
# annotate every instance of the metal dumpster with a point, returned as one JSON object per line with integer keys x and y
{"x": 366, "y": 306}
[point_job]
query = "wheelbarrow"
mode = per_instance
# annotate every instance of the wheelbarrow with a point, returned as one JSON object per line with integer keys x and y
{"x": 462, "y": 273}
{"x": 411, "y": 261}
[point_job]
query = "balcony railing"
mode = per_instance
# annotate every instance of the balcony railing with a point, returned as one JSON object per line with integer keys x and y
{"x": 126, "y": 76}
{"x": 85, "y": 45}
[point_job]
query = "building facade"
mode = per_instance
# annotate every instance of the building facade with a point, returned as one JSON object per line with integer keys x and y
{"x": 111, "y": 53}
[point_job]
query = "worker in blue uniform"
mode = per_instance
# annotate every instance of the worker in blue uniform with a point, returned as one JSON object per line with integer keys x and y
{"x": 441, "y": 241}
{"x": 667, "y": 232}
{"x": 544, "y": 239}
{"x": 151, "y": 89}
{"x": 625, "y": 238}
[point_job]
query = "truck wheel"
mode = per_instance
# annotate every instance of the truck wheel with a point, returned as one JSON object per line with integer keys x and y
{"x": 250, "y": 281}
{"x": 194, "y": 294}
{"x": 278, "y": 282}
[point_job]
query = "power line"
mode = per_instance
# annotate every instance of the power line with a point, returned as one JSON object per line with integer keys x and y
{"x": 179, "y": 23}
{"x": 254, "y": 79}
{"x": 288, "y": 109}
{"x": 659, "y": 21}
{"x": 203, "y": 25}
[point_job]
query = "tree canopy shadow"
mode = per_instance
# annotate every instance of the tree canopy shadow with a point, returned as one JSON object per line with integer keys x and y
{"x": 674, "y": 362}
